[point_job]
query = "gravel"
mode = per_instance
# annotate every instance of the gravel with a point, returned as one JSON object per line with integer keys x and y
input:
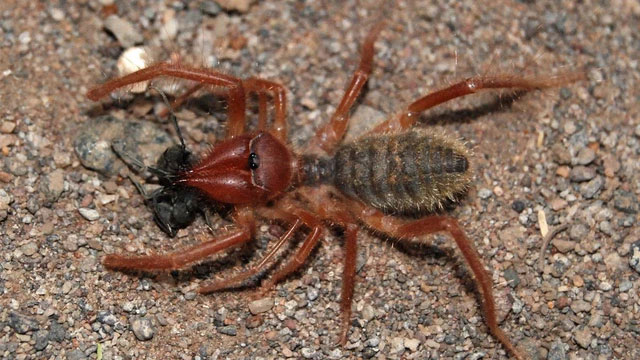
{"x": 571, "y": 153}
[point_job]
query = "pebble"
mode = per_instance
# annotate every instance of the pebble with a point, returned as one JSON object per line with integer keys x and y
{"x": 89, "y": 214}
{"x": 411, "y": 344}
{"x": 41, "y": 339}
{"x": 564, "y": 246}
{"x": 582, "y": 173}
{"x": 5, "y": 199}
{"x": 57, "y": 332}
{"x": 484, "y": 193}
{"x": 261, "y": 305}
{"x": 625, "y": 201}
{"x": 237, "y": 5}
{"x": 307, "y": 353}
{"x": 589, "y": 189}
{"x": 230, "y": 330}
{"x": 397, "y": 345}
{"x": 210, "y": 8}
{"x": 123, "y": 30}
{"x": 7, "y": 127}
{"x": 557, "y": 352}
{"x": 107, "y": 317}
{"x": 582, "y": 337}
{"x": 312, "y": 293}
{"x": 142, "y": 329}
{"x": 56, "y": 14}
{"x": 585, "y": 156}
{"x": 52, "y": 185}
{"x": 634, "y": 256}
{"x": 512, "y": 277}
{"x": 22, "y": 324}
{"x": 580, "y": 306}
{"x": 70, "y": 244}
{"x": 29, "y": 248}
{"x": 76, "y": 354}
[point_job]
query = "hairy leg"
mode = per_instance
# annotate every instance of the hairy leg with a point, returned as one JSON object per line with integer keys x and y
{"x": 278, "y": 93}
{"x": 234, "y": 90}
{"x": 244, "y": 275}
{"x": 244, "y": 221}
{"x": 469, "y": 86}
{"x": 303, "y": 252}
{"x": 332, "y": 133}
{"x": 410, "y": 229}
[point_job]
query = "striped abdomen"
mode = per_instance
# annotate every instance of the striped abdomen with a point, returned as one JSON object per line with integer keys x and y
{"x": 408, "y": 173}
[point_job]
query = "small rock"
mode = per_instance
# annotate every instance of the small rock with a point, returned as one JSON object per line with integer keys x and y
{"x": 578, "y": 232}
{"x": 57, "y": 333}
{"x": 558, "y": 204}
{"x": 89, "y": 214}
{"x": 307, "y": 353}
{"x": 107, "y": 317}
{"x": 564, "y": 246}
{"x": 41, "y": 339}
{"x": 312, "y": 293}
{"x": 512, "y": 277}
{"x": 7, "y": 127}
{"x": 557, "y": 352}
{"x": 634, "y": 256}
{"x": 585, "y": 156}
{"x": 518, "y": 206}
{"x": 261, "y": 305}
{"x": 5, "y": 200}
{"x": 411, "y": 344}
{"x": 484, "y": 193}
{"x": 580, "y": 306}
{"x": 142, "y": 329}
{"x": 76, "y": 354}
{"x": 605, "y": 286}
{"x": 22, "y": 324}
{"x": 397, "y": 345}
{"x": 230, "y": 330}
{"x": 625, "y": 286}
{"x": 29, "y": 248}
{"x": 590, "y": 189}
{"x": 560, "y": 154}
{"x": 237, "y": 5}
{"x": 582, "y": 174}
{"x": 123, "y": 30}
{"x": 583, "y": 338}
{"x": 625, "y": 201}
{"x": 52, "y": 186}
{"x": 210, "y": 8}
{"x": 56, "y": 14}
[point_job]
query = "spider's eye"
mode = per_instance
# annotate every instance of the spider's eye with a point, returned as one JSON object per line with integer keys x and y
{"x": 254, "y": 161}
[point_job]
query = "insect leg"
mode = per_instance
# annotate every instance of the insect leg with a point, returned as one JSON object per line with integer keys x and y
{"x": 332, "y": 133}
{"x": 469, "y": 86}
{"x": 410, "y": 229}
{"x": 234, "y": 90}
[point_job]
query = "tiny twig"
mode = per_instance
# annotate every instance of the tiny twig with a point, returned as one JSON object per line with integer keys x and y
{"x": 545, "y": 242}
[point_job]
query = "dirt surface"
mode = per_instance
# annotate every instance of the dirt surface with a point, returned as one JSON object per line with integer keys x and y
{"x": 570, "y": 154}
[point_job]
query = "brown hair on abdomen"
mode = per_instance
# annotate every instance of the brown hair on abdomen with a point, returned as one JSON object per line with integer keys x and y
{"x": 413, "y": 172}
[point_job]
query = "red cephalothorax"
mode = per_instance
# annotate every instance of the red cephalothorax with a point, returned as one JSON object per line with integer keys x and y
{"x": 393, "y": 180}
{"x": 245, "y": 169}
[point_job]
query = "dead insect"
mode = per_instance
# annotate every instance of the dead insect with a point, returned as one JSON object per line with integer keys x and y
{"x": 375, "y": 181}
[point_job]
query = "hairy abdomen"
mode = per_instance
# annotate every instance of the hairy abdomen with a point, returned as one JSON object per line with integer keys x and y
{"x": 409, "y": 173}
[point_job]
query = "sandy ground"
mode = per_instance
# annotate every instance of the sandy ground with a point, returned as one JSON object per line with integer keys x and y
{"x": 570, "y": 154}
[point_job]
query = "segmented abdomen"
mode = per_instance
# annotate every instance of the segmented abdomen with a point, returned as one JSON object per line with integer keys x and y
{"x": 408, "y": 173}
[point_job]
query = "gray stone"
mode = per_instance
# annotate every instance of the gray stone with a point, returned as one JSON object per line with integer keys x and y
{"x": 22, "y": 324}
{"x": 581, "y": 174}
{"x": 634, "y": 256}
{"x": 142, "y": 329}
